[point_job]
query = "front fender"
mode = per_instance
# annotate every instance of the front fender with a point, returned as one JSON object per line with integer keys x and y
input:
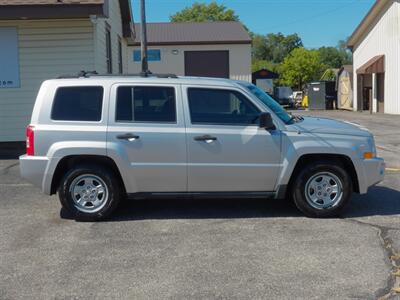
{"x": 295, "y": 145}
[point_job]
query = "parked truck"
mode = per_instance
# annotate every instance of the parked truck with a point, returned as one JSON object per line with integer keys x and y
{"x": 283, "y": 94}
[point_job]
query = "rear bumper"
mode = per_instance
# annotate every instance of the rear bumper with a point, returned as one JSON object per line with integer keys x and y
{"x": 374, "y": 172}
{"x": 33, "y": 169}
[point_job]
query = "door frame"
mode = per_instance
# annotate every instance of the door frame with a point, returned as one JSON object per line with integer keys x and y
{"x": 228, "y": 128}
{"x": 122, "y": 158}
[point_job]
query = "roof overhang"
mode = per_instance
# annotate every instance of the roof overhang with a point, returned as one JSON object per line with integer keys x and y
{"x": 374, "y": 65}
{"x": 128, "y": 30}
{"x": 368, "y": 21}
{"x": 182, "y": 43}
{"x": 59, "y": 11}
{"x": 193, "y": 33}
{"x": 264, "y": 74}
{"x": 69, "y": 11}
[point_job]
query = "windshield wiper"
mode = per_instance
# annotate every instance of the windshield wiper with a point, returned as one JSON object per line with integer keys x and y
{"x": 295, "y": 118}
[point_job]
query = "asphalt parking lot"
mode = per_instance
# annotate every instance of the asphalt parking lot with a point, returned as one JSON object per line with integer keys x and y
{"x": 205, "y": 249}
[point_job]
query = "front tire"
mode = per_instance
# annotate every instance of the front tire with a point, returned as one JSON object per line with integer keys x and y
{"x": 90, "y": 193}
{"x": 322, "y": 189}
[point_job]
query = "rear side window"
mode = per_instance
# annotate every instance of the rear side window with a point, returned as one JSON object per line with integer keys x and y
{"x": 146, "y": 104}
{"x": 78, "y": 103}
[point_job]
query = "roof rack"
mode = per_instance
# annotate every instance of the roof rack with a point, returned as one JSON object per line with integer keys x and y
{"x": 88, "y": 74}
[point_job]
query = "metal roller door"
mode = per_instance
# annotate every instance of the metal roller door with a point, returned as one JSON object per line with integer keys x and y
{"x": 207, "y": 63}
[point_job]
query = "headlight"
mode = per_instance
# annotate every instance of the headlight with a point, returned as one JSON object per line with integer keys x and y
{"x": 371, "y": 144}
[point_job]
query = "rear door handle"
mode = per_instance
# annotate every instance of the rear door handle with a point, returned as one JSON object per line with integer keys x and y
{"x": 128, "y": 136}
{"x": 205, "y": 138}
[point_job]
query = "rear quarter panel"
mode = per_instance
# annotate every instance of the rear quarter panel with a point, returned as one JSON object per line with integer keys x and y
{"x": 57, "y": 139}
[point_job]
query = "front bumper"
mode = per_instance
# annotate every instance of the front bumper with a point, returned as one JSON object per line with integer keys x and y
{"x": 33, "y": 169}
{"x": 374, "y": 172}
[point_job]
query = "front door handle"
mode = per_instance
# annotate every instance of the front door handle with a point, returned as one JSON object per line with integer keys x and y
{"x": 205, "y": 138}
{"x": 128, "y": 136}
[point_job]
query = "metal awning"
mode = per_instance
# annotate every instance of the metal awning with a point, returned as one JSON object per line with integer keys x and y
{"x": 374, "y": 65}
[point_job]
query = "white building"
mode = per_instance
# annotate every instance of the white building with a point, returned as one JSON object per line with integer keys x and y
{"x": 211, "y": 49}
{"x": 376, "y": 59}
{"x": 47, "y": 38}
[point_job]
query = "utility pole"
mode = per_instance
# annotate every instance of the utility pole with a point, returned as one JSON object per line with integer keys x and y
{"x": 143, "y": 40}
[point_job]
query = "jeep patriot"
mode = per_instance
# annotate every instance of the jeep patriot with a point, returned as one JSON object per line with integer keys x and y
{"x": 95, "y": 140}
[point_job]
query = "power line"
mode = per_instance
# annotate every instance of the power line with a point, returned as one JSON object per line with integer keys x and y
{"x": 312, "y": 17}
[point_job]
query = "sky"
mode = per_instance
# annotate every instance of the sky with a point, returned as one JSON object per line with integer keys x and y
{"x": 318, "y": 22}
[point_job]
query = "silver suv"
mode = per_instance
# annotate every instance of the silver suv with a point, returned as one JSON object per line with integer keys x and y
{"x": 98, "y": 139}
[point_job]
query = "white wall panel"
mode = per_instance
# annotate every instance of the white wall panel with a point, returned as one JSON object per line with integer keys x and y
{"x": 47, "y": 49}
{"x": 383, "y": 38}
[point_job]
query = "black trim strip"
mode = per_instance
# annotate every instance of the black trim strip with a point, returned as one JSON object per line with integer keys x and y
{"x": 202, "y": 195}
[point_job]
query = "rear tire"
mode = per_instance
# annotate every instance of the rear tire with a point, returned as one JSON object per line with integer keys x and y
{"x": 90, "y": 193}
{"x": 322, "y": 189}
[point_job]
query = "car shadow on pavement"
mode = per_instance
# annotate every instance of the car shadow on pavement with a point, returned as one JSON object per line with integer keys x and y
{"x": 204, "y": 209}
{"x": 379, "y": 201}
{"x": 147, "y": 209}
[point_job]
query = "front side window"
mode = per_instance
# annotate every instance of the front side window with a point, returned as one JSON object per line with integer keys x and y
{"x": 145, "y": 104}
{"x": 224, "y": 107}
{"x": 78, "y": 103}
{"x": 268, "y": 101}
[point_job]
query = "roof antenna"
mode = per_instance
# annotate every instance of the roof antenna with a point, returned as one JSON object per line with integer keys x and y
{"x": 143, "y": 40}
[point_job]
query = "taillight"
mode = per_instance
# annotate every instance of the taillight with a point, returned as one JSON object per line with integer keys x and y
{"x": 30, "y": 145}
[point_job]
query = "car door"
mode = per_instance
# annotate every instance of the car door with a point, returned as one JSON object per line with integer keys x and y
{"x": 227, "y": 151}
{"x": 146, "y": 134}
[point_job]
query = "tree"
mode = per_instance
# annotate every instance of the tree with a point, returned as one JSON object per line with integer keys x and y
{"x": 333, "y": 57}
{"x": 301, "y": 66}
{"x": 259, "y": 47}
{"x": 263, "y": 64}
{"x": 274, "y": 47}
{"x": 202, "y": 12}
{"x": 347, "y": 55}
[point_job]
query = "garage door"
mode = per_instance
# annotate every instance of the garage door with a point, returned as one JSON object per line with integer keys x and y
{"x": 207, "y": 63}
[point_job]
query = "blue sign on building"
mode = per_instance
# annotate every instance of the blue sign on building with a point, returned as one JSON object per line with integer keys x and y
{"x": 152, "y": 55}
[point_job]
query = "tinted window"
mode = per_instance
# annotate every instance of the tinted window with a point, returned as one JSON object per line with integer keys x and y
{"x": 146, "y": 104}
{"x": 268, "y": 101}
{"x": 212, "y": 106}
{"x": 78, "y": 103}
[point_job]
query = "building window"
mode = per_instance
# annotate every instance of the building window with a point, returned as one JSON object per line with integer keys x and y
{"x": 146, "y": 104}
{"x": 152, "y": 55}
{"x": 120, "y": 68}
{"x": 77, "y": 103}
{"x": 108, "y": 49}
{"x": 9, "y": 70}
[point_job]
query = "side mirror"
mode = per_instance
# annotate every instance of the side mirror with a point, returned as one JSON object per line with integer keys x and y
{"x": 266, "y": 121}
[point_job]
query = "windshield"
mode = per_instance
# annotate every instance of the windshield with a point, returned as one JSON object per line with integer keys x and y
{"x": 268, "y": 101}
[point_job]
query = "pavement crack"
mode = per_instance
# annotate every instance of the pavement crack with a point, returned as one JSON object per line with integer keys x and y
{"x": 7, "y": 169}
{"x": 393, "y": 259}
